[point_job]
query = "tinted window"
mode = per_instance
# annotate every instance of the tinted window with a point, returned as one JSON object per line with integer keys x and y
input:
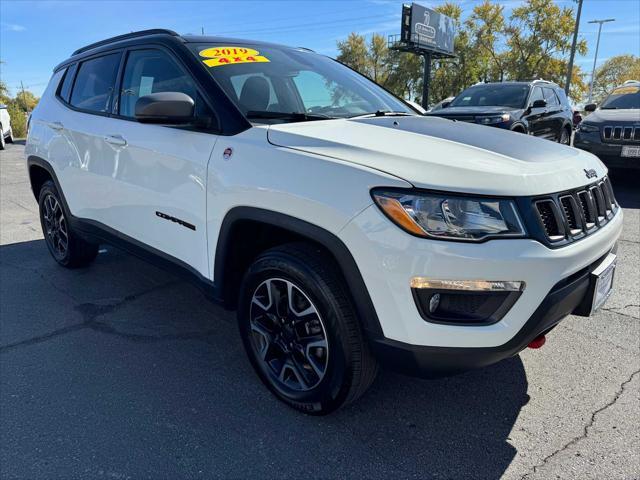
{"x": 550, "y": 96}
{"x": 94, "y": 83}
{"x": 623, "y": 97}
{"x": 289, "y": 80}
{"x": 65, "y": 87}
{"x": 502, "y": 95}
{"x": 154, "y": 71}
{"x": 562, "y": 96}
{"x": 536, "y": 95}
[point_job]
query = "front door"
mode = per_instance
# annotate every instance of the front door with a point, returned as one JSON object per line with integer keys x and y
{"x": 160, "y": 172}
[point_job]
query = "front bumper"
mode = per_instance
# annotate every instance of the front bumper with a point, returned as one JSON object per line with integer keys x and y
{"x": 388, "y": 258}
{"x": 609, "y": 153}
{"x": 568, "y": 296}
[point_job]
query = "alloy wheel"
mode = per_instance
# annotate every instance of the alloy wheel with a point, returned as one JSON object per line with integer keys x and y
{"x": 288, "y": 335}
{"x": 56, "y": 232}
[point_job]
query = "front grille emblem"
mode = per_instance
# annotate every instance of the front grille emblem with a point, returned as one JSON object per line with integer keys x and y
{"x": 591, "y": 173}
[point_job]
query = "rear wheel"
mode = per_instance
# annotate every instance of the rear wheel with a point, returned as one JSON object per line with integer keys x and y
{"x": 1, "y": 139}
{"x": 10, "y": 136}
{"x": 65, "y": 246}
{"x": 565, "y": 137}
{"x": 301, "y": 332}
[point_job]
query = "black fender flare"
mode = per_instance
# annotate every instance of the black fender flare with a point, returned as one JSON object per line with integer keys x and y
{"x": 345, "y": 261}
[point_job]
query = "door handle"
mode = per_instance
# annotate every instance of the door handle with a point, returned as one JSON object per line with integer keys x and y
{"x": 116, "y": 140}
{"x": 57, "y": 126}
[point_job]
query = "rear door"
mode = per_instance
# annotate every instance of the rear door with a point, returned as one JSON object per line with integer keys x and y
{"x": 159, "y": 172}
{"x": 555, "y": 118}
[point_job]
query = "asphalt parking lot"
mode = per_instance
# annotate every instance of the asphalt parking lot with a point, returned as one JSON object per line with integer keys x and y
{"x": 122, "y": 371}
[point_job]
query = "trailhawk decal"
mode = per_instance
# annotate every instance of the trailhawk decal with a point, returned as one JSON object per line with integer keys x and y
{"x": 219, "y": 56}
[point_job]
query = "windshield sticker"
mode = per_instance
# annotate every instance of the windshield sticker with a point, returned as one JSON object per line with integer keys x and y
{"x": 219, "y": 56}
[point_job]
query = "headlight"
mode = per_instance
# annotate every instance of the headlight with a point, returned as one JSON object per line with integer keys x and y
{"x": 450, "y": 217}
{"x": 491, "y": 119}
{"x": 588, "y": 127}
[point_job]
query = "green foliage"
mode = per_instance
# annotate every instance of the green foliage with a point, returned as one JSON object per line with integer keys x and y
{"x": 534, "y": 42}
{"x": 18, "y": 119}
{"x": 614, "y": 72}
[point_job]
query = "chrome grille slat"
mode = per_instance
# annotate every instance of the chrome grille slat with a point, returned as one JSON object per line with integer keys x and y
{"x": 571, "y": 215}
{"x": 621, "y": 133}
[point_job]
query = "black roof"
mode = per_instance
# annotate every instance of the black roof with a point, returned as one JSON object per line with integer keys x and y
{"x": 171, "y": 33}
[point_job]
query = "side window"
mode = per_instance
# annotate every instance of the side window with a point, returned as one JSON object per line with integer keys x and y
{"x": 64, "y": 91}
{"x": 550, "y": 96}
{"x": 94, "y": 83}
{"x": 313, "y": 90}
{"x": 536, "y": 95}
{"x": 153, "y": 71}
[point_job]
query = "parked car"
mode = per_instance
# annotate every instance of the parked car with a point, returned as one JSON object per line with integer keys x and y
{"x": 539, "y": 108}
{"x": 441, "y": 104}
{"x": 6, "y": 133}
{"x": 612, "y": 131}
{"x": 346, "y": 230}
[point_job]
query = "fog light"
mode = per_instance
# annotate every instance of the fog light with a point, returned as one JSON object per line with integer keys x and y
{"x": 464, "y": 302}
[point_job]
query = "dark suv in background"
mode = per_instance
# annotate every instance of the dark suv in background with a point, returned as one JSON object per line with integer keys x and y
{"x": 538, "y": 108}
{"x": 612, "y": 132}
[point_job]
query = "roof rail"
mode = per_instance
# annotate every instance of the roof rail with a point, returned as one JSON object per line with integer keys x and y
{"x": 126, "y": 36}
{"x": 628, "y": 82}
{"x": 541, "y": 80}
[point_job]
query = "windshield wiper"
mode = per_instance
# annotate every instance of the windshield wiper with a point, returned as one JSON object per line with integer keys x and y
{"x": 295, "y": 116}
{"x": 384, "y": 113}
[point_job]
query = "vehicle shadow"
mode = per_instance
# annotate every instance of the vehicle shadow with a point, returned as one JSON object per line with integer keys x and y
{"x": 133, "y": 372}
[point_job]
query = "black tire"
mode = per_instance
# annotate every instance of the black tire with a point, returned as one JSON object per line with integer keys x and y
{"x": 344, "y": 370}
{"x": 1, "y": 139}
{"x": 65, "y": 246}
{"x": 10, "y": 136}
{"x": 565, "y": 136}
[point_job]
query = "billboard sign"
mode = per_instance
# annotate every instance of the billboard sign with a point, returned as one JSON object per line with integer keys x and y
{"x": 427, "y": 29}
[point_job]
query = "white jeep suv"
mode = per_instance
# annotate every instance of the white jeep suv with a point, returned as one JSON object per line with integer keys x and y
{"x": 346, "y": 229}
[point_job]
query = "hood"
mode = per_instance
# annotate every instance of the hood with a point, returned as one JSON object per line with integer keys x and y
{"x": 486, "y": 110}
{"x": 439, "y": 154}
{"x": 614, "y": 115}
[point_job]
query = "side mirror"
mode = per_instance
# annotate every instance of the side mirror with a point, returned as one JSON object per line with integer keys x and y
{"x": 445, "y": 104}
{"x": 590, "y": 107}
{"x": 539, "y": 104}
{"x": 171, "y": 108}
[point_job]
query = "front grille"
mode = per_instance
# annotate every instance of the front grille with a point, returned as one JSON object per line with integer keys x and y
{"x": 621, "y": 133}
{"x": 569, "y": 216}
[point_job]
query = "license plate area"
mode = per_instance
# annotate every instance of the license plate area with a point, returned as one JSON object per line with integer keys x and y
{"x": 602, "y": 282}
{"x": 631, "y": 151}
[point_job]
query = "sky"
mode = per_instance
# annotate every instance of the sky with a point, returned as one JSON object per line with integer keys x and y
{"x": 36, "y": 35}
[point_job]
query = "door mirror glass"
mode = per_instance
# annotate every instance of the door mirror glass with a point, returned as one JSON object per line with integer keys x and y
{"x": 539, "y": 104}
{"x": 590, "y": 107}
{"x": 169, "y": 108}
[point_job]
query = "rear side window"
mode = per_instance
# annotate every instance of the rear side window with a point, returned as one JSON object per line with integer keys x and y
{"x": 562, "y": 96}
{"x": 64, "y": 92}
{"x": 94, "y": 83}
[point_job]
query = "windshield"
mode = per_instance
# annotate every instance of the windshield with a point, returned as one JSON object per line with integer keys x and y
{"x": 623, "y": 97}
{"x": 512, "y": 96}
{"x": 268, "y": 83}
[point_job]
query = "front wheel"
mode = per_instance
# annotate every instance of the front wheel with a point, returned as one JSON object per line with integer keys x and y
{"x": 565, "y": 137}
{"x": 301, "y": 332}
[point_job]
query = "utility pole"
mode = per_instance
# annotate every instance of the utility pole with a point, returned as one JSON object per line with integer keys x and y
{"x": 595, "y": 58}
{"x": 24, "y": 99}
{"x": 573, "y": 49}
{"x": 426, "y": 79}
{"x": 202, "y": 29}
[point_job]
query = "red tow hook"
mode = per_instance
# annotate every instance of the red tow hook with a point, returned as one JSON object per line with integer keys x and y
{"x": 537, "y": 342}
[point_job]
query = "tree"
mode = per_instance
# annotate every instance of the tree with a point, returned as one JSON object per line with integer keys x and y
{"x": 26, "y": 100}
{"x": 614, "y": 72}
